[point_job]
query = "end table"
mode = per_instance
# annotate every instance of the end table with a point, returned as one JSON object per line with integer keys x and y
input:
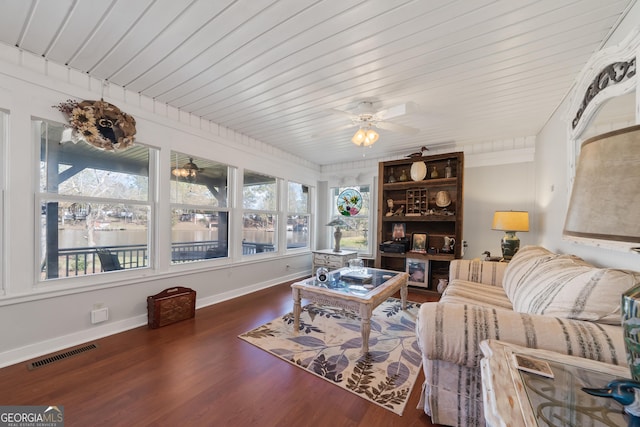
{"x": 331, "y": 260}
{"x": 514, "y": 397}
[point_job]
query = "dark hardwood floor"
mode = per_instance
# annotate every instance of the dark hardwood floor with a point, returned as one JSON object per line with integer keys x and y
{"x": 198, "y": 373}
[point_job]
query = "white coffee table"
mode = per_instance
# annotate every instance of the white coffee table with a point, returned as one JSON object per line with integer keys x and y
{"x": 360, "y": 296}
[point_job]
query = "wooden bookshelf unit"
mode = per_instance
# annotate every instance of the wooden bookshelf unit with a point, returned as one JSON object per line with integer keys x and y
{"x": 432, "y": 206}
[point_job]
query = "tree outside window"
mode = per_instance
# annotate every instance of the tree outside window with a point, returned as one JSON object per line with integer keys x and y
{"x": 94, "y": 206}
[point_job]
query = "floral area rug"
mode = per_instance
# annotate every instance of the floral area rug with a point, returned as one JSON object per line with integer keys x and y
{"x": 329, "y": 345}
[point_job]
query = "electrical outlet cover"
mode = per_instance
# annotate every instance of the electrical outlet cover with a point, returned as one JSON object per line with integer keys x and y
{"x": 99, "y": 315}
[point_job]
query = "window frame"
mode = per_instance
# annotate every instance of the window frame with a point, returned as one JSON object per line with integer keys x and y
{"x": 42, "y": 195}
{"x": 228, "y": 208}
{"x": 307, "y": 214}
{"x": 276, "y": 213}
{"x": 371, "y": 212}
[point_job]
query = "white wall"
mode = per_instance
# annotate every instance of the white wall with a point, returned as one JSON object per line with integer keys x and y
{"x": 41, "y": 318}
{"x": 553, "y": 190}
{"x": 491, "y": 188}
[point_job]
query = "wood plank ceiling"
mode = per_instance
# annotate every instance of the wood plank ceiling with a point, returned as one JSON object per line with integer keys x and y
{"x": 476, "y": 70}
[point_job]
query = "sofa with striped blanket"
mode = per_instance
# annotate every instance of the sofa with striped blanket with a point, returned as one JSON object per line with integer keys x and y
{"x": 540, "y": 300}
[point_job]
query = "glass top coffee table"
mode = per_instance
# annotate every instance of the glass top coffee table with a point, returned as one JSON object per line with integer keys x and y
{"x": 360, "y": 290}
{"x": 515, "y": 397}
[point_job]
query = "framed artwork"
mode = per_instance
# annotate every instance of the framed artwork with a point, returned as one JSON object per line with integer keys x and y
{"x": 417, "y": 269}
{"x": 399, "y": 231}
{"x": 419, "y": 243}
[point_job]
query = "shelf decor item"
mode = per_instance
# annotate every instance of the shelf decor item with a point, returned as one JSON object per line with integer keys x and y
{"x": 419, "y": 243}
{"x": 399, "y": 230}
{"x": 443, "y": 199}
{"x": 448, "y": 173}
{"x": 392, "y": 177}
{"x": 449, "y": 243}
{"x": 442, "y": 285}
{"x": 349, "y": 202}
{"x": 417, "y": 269}
{"x": 418, "y": 171}
{"x": 98, "y": 123}
{"x": 417, "y": 201}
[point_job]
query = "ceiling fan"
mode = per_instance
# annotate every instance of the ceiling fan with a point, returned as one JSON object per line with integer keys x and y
{"x": 366, "y": 118}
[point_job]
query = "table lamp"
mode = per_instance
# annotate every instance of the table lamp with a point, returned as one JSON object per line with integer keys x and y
{"x": 510, "y": 222}
{"x": 337, "y": 223}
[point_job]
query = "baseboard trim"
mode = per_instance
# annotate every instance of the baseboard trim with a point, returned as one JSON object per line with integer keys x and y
{"x": 40, "y": 349}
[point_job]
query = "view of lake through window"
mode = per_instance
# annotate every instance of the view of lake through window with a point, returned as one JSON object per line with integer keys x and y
{"x": 94, "y": 206}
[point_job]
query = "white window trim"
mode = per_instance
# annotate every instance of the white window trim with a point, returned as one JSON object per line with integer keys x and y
{"x": 371, "y": 233}
{"x": 286, "y": 214}
{"x": 95, "y": 280}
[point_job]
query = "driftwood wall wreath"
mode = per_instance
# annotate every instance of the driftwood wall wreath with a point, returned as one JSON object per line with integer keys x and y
{"x": 99, "y": 123}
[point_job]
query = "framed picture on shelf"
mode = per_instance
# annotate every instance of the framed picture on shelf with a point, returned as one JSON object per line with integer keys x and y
{"x": 399, "y": 231}
{"x": 417, "y": 269}
{"x": 419, "y": 243}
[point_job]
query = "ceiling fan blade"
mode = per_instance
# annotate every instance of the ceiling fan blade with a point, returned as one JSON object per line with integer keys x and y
{"x": 397, "y": 128}
{"x": 342, "y": 113}
{"x": 332, "y": 131}
{"x": 397, "y": 110}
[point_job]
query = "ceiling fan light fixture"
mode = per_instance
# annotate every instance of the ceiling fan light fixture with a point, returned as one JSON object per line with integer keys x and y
{"x": 372, "y": 136}
{"x": 365, "y": 137}
{"x": 359, "y": 137}
{"x": 188, "y": 170}
{"x": 179, "y": 172}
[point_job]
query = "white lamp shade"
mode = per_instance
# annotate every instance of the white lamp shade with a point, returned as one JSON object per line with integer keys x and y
{"x": 604, "y": 201}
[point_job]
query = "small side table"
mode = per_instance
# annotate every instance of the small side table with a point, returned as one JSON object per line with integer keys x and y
{"x": 331, "y": 260}
{"x": 517, "y": 398}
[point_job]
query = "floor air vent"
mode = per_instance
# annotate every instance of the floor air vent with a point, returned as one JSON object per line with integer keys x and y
{"x": 60, "y": 356}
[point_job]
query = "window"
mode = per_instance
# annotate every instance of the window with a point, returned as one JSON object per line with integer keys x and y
{"x": 94, "y": 206}
{"x": 199, "y": 209}
{"x": 298, "y": 216}
{"x": 356, "y": 237}
{"x": 260, "y": 216}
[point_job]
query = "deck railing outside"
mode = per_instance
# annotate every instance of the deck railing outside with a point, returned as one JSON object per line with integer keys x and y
{"x": 84, "y": 260}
